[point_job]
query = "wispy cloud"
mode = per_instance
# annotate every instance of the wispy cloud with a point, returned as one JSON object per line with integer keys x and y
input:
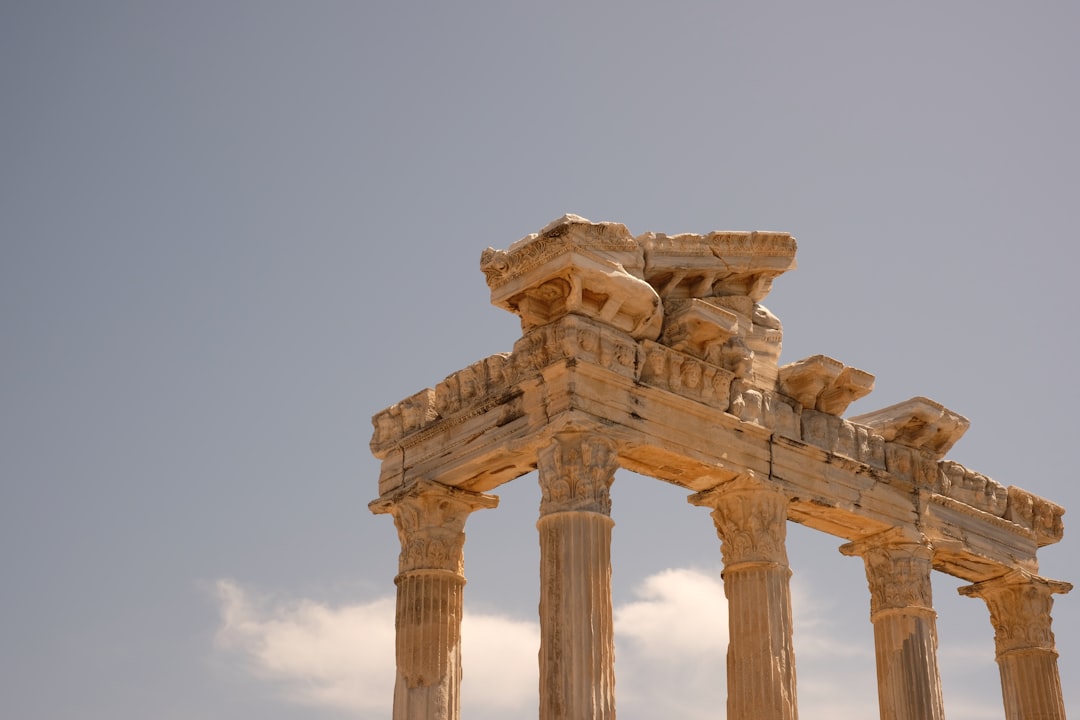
{"x": 671, "y": 641}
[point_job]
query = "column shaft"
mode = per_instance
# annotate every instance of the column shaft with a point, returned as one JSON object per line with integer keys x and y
{"x": 905, "y": 625}
{"x": 577, "y": 641}
{"x": 430, "y": 519}
{"x": 751, "y": 520}
{"x": 1020, "y": 605}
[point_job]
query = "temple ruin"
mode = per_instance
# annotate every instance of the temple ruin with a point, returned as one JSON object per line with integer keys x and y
{"x": 654, "y": 354}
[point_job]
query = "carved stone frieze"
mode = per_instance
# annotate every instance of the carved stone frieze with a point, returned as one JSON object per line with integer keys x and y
{"x": 466, "y": 387}
{"x": 430, "y": 521}
{"x": 1042, "y": 517}
{"x": 972, "y": 488}
{"x": 1020, "y": 605}
{"x": 573, "y": 338}
{"x": 912, "y": 466}
{"x": 576, "y": 472}
{"x": 750, "y": 518}
{"x": 575, "y": 267}
{"x": 684, "y": 375}
{"x": 918, "y": 423}
{"x": 401, "y": 419}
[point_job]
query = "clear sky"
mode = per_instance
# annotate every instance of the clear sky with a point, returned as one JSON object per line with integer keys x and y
{"x": 230, "y": 232}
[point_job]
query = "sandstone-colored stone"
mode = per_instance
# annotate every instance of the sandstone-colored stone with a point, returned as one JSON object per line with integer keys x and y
{"x": 655, "y": 354}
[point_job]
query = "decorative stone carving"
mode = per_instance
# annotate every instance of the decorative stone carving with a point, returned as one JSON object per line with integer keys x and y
{"x": 918, "y": 423}
{"x": 1020, "y": 605}
{"x": 750, "y": 518}
{"x": 575, "y": 267}
{"x": 401, "y": 419}
{"x": 759, "y": 342}
{"x": 574, "y": 338}
{"x": 719, "y": 263}
{"x": 576, "y": 473}
{"x": 430, "y": 520}
{"x": 466, "y": 387}
{"x": 684, "y": 375}
{"x": 821, "y": 383}
{"x": 698, "y": 328}
{"x": 898, "y": 571}
{"x": 1042, "y": 517}
{"x": 975, "y": 489}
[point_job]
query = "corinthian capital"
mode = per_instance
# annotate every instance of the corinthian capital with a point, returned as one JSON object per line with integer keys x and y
{"x": 576, "y": 472}
{"x": 750, "y": 518}
{"x": 1020, "y": 605}
{"x": 898, "y": 569}
{"x": 430, "y": 521}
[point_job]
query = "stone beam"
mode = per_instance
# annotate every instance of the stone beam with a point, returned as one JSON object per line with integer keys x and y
{"x": 841, "y": 477}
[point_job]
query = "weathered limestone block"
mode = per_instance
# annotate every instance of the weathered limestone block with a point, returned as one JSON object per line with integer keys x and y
{"x": 975, "y": 489}
{"x": 1020, "y": 604}
{"x": 430, "y": 520}
{"x": 574, "y": 338}
{"x": 1037, "y": 514}
{"x": 685, "y": 375}
{"x": 719, "y": 263}
{"x": 822, "y": 383}
{"x": 575, "y": 267}
{"x": 918, "y": 423}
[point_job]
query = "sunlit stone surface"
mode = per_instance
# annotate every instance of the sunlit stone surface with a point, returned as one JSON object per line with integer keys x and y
{"x": 655, "y": 354}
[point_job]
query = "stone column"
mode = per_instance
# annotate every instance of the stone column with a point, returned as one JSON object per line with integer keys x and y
{"x": 577, "y": 642}
{"x": 430, "y": 520}
{"x": 1020, "y": 605}
{"x": 751, "y": 520}
{"x": 898, "y": 570}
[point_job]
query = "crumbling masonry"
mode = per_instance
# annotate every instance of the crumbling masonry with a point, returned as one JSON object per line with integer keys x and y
{"x": 654, "y": 354}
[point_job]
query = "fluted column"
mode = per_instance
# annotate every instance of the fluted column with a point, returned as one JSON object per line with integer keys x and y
{"x": 430, "y": 520}
{"x": 898, "y": 568}
{"x": 751, "y": 520}
{"x": 1020, "y": 605}
{"x": 577, "y": 642}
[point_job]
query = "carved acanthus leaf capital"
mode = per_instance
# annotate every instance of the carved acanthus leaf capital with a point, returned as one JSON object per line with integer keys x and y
{"x": 576, "y": 472}
{"x": 898, "y": 567}
{"x": 430, "y": 521}
{"x": 750, "y": 518}
{"x": 1020, "y": 605}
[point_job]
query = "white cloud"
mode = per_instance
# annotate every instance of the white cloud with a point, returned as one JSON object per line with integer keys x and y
{"x": 671, "y": 642}
{"x": 670, "y": 645}
{"x": 343, "y": 657}
{"x": 321, "y": 655}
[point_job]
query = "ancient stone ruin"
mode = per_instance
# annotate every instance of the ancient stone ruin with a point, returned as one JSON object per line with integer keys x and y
{"x": 654, "y": 354}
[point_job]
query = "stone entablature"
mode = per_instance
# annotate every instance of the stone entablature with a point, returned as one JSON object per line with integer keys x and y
{"x": 655, "y": 354}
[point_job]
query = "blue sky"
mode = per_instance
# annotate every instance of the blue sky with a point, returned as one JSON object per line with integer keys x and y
{"x": 230, "y": 232}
